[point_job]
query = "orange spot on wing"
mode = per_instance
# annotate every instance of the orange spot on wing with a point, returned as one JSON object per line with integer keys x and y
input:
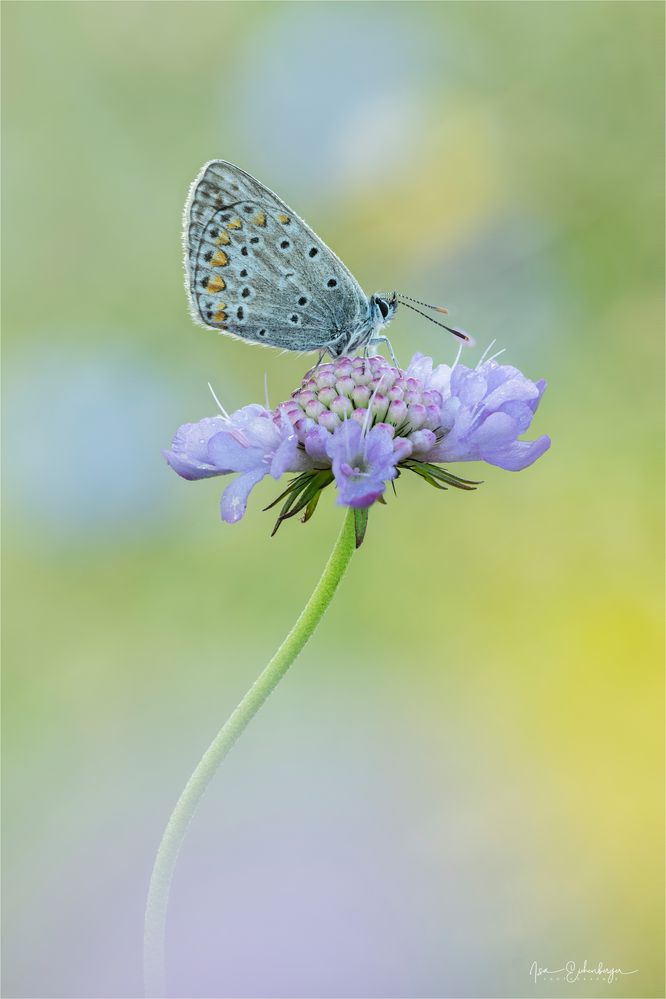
{"x": 215, "y": 284}
{"x": 259, "y": 219}
{"x": 220, "y": 316}
{"x": 283, "y": 218}
{"x": 220, "y": 259}
{"x": 224, "y": 239}
{"x": 234, "y": 224}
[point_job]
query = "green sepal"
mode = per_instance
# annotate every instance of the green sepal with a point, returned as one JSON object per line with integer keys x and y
{"x": 439, "y": 477}
{"x": 295, "y": 484}
{"x": 423, "y": 474}
{"x": 311, "y": 507}
{"x": 301, "y": 494}
{"x": 360, "y": 524}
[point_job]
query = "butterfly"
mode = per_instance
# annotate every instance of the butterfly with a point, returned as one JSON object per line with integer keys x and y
{"x": 256, "y": 271}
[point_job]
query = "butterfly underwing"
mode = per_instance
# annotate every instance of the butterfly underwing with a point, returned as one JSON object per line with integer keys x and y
{"x": 255, "y": 270}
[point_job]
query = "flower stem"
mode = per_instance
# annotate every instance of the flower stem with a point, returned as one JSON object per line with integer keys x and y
{"x": 187, "y": 804}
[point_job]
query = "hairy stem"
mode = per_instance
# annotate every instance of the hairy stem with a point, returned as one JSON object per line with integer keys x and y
{"x": 186, "y": 806}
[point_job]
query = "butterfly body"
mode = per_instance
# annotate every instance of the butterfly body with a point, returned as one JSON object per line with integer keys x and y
{"x": 256, "y": 271}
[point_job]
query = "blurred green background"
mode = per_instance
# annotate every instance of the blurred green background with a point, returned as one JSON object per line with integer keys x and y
{"x": 463, "y": 772}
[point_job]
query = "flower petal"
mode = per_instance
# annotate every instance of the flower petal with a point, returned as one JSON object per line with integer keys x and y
{"x": 468, "y": 385}
{"x": 518, "y": 455}
{"x": 519, "y": 388}
{"x": 378, "y": 446}
{"x": 541, "y": 385}
{"x": 255, "y": 427}
{"x": 289, "y": 458}
{"x": 521, "y": 412}
{"x": 344, "y": 442}
{"x": 419, "y": 367}
{"x": 359, "y": 493}
{"x": 315, "y": 445}
{"x": 437, "y": 378}
{"x": 188, "y": 469}
{"x": 402, "y": 448}
{"x": 234, "y": 497}
{"x": 229, "y": 455}
{"x": 497, "y": 430}
{"x": 188, "y": 454}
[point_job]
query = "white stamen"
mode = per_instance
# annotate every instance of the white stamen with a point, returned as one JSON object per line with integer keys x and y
{"x": 496, "y": 355}
{"x": 220, "y": 406}
{"x": 486, "y": 351}
{"x": 458, "y": 355}
{"x": 366, "y": 420}
{"x": 344, "y": 420}
{"x": 368, "y": 416}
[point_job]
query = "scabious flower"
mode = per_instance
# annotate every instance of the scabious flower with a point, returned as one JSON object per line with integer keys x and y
{"x": 359, "y": 422}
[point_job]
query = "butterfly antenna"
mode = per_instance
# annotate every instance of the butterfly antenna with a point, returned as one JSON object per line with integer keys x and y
{"x": 435, "y": 308}
{"x": 459, "y": 333}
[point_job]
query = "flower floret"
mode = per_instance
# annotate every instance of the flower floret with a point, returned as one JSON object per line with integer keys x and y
{"x": 362, "y": 463}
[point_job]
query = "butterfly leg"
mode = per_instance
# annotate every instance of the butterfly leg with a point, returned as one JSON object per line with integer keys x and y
{"x": 384, "y": 339}
{"x": 322, "y": 354}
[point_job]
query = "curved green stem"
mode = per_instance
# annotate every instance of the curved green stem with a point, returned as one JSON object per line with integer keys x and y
{"x": 186, "y": 806}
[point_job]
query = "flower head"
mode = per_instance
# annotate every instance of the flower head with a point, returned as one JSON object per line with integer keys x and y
{"x": 359, "y": 422}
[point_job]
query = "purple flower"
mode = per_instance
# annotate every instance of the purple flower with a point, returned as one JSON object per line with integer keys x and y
{"x": 360, "y": 422}
{"x": 362, "y": 463}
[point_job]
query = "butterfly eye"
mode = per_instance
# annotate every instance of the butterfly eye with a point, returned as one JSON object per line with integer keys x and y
{"x": 383, "y": 307}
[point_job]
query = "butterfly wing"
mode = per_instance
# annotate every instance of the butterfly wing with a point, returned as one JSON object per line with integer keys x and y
{"x": 255, "y": 270}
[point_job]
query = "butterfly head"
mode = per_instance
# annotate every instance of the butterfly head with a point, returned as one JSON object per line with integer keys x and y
{"x": 383, "y": 307}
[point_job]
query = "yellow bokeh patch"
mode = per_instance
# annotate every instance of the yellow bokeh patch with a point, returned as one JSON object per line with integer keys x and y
{"x": 220, "y": 259}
